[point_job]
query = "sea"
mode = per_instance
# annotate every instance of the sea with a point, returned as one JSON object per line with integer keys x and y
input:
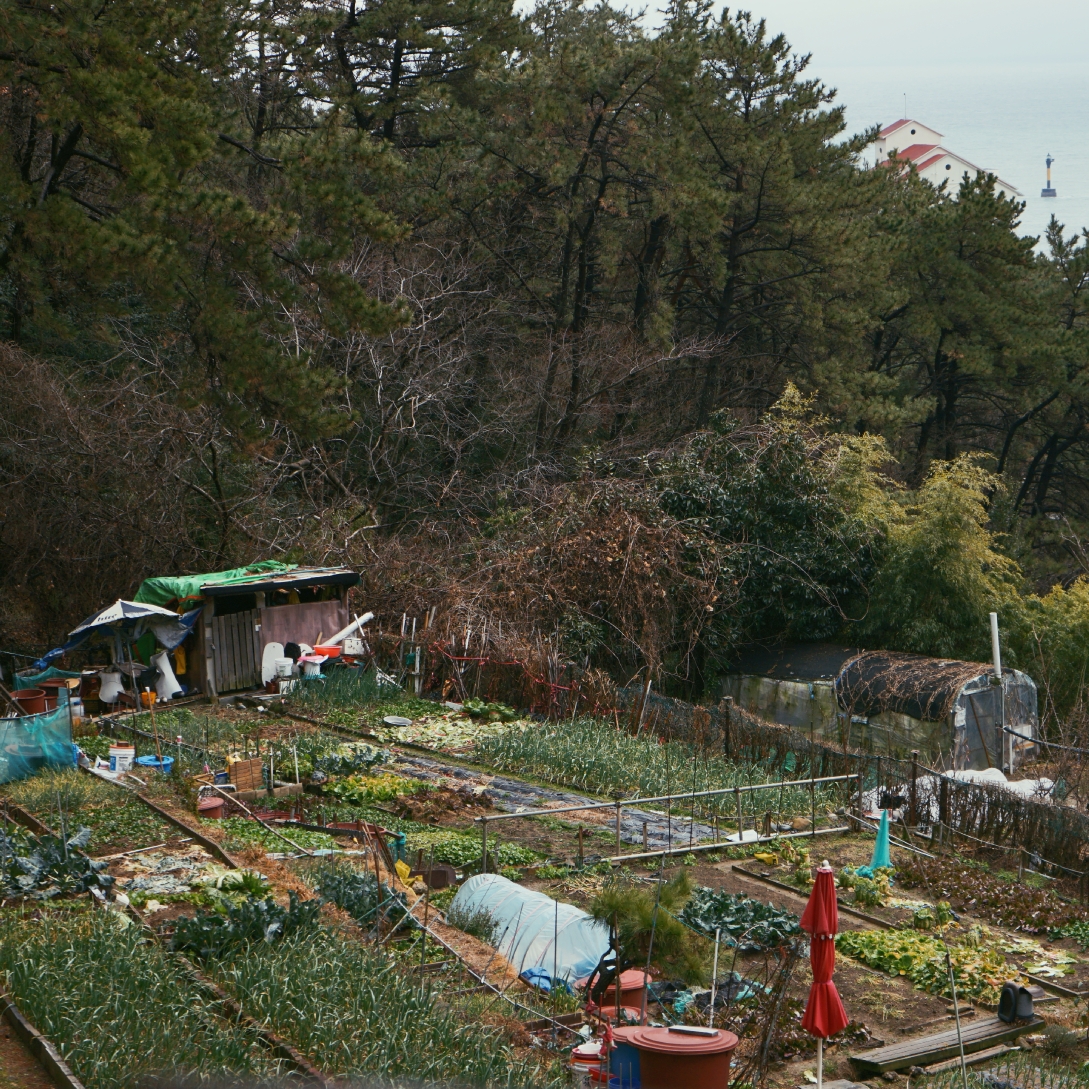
{"x": 1006, "y": 118}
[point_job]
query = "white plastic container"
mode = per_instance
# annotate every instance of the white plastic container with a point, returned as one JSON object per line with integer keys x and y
{"x": 121, "y": 757}
{"x": 284, "y": 667}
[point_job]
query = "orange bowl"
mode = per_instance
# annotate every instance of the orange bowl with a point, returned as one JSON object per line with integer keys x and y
{"x": 329, "y": 652}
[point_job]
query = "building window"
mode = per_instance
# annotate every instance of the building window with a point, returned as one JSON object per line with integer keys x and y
{"x": 948, "y": 166}
{"x": 912, "y": 132}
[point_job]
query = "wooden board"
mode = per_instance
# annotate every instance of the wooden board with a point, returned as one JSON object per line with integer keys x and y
{"x": 982, "y": 1033}
{"x": 247, "y": 775}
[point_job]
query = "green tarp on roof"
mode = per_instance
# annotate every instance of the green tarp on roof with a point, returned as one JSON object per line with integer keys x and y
{"x": 166, "y": 589}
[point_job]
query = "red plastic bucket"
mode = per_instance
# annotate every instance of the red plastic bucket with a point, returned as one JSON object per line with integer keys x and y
{"x": 31, "y": 700}
{"x": 694, "y": 1058}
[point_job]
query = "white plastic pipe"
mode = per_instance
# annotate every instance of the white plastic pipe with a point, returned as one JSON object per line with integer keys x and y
{"x": 996, "y": 652}
{"x": 355, "y": 625}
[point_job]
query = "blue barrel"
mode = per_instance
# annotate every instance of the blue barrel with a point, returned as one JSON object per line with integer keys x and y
{"x": 152, "y": 762}
{"x": 624, "y": 1061}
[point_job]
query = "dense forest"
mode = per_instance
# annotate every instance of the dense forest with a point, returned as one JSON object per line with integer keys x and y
{"x": 596, "y": 330}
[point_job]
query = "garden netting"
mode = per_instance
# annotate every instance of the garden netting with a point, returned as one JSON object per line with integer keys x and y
{"x": 33, "y": 742}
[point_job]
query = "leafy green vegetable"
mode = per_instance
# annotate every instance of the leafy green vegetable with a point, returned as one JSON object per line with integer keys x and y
{"x": 749, "y": 924}
{"x": 495, "y": 712}
{"x": 1079, "y": 931}
{"x": 242, "y": 833}
{"x": 212, "y": 934}
{"x": 358, "y": 893}
{"x": 979, "y": 970}
{"x": 459, "y": 849}
{"x": 368, "y": 789}
{"x": 41, "y": 867}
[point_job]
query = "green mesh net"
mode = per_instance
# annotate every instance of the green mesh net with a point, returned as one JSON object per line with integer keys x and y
{"x": 33, "y": 742}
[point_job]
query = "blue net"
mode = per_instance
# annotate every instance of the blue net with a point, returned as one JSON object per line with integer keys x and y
{"x": 33, "y": 742}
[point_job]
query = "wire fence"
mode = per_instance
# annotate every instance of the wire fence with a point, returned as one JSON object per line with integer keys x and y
{"x": 474, "y": 665}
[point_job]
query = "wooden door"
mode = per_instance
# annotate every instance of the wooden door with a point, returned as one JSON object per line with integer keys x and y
{"x": 236, "y": 645}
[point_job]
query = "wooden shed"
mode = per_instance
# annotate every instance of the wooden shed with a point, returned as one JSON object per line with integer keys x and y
{"x": 246, "y": 608}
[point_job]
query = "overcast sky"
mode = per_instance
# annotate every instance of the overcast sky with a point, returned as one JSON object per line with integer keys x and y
{"x": 847, "y": 33}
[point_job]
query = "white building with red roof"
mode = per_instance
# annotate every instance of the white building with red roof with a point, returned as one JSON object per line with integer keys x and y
{"x": 913, "y": 142}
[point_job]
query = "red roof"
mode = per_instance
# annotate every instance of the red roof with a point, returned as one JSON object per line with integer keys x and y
{"x": 915, "y": 151}
{"x": 932, "y": 159}
{"x": 893, "y": 127}
{"x": 888, "y": 130}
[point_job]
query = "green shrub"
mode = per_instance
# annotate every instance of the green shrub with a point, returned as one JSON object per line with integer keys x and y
{"x": 477, "y": 922}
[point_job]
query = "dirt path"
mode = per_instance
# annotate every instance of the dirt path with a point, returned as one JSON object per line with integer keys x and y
{"x": 18, "y": 1068}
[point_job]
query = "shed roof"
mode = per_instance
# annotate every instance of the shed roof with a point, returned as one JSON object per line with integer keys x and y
{"x": 265, "y": 575}
{"x": 912, "y": 684}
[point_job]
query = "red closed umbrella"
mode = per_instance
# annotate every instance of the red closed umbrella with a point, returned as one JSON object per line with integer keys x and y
{"x": 824, "y": 1013}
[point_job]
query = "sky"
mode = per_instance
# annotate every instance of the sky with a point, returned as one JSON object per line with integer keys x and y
{"x": 1005, "y": 83}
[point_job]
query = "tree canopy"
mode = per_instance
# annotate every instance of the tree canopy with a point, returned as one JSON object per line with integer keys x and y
{"x": 352, "y": 278}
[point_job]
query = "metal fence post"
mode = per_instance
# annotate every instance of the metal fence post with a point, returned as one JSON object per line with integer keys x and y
{"x": 618, "y": 826}
{"x": 914, "y": 774}
{"x": 483, "y": 844}
{"x": 740, "y": 822}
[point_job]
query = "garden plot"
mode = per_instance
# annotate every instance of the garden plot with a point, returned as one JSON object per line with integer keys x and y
{"x": 594, "y": 755}
{"x": 118, "y": 820}
{"x": 115, "y": 1004}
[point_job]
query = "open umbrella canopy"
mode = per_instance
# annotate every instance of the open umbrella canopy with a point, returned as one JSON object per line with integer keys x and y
{"x": 123, "y": 614}
{"x": 824, "y": 1013}
{"x": 131, "y": 619}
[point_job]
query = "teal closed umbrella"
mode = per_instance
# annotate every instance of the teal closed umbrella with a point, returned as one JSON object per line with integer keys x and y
{"x": 881, "y": 847}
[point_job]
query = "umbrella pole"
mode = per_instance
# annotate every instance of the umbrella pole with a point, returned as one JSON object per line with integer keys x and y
{"x": 820, "y": 1061}
{"x": 132, "y": 677}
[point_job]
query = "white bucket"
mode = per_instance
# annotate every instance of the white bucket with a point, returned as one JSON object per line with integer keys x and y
{"x": 121, "y": 757}
{"x": 284, "y": 667}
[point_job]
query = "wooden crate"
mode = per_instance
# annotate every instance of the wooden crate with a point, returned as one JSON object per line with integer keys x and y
{"x": 247, "y": 774}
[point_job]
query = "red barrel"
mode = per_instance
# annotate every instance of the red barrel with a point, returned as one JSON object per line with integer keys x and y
{"x": 210, "y": 808}
{"x": 31, "y": 700}
{"x": 51, "y": 688}
{"x": 683, "y": 1056}
{"x": 633, "y": 983}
